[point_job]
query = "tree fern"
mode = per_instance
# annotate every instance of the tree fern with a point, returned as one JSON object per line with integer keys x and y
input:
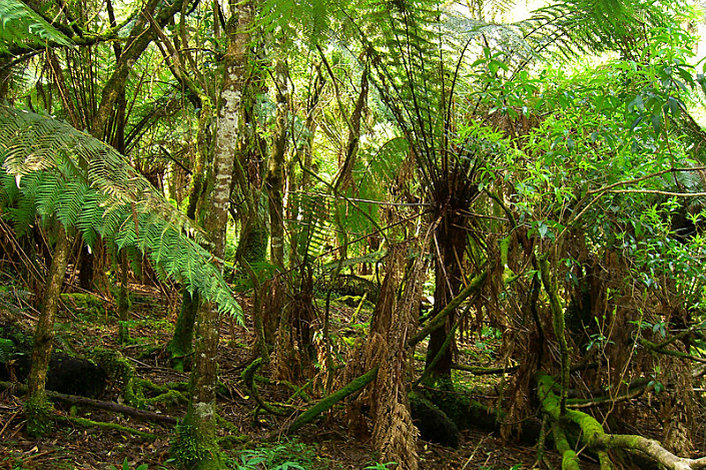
{"x": 89, "y": 187}
{"x": 570, "y": 26}
{"x": 21, "y": 26}
{"x": 313, "y": 229}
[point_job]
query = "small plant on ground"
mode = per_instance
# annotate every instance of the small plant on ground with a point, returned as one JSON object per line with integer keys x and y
{"x": 290, "y": 455}
{"x": 126, "y": 466}
{"x": 381, "y": 466}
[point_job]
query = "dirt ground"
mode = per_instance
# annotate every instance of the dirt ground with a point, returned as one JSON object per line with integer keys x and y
{"x": 324, "y": 445}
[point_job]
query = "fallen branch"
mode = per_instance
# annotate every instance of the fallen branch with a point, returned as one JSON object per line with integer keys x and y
{"x": 248, "y": 376}
{"x": 479, "y": 370}
{"x": 437, "y": 321}
{"x": 669, "y": 352}
{"x": 98, "y": 404}
{"x": 327, "y": 402}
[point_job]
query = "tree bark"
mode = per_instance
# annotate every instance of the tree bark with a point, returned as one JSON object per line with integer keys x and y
{"x": 196, "y": 445}
{"x": 44, "y": 336}
{"x": 451, "y": 245}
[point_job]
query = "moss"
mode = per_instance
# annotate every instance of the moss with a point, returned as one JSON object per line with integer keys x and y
{"x": 135, "y": 393}
{"x": 192, "y": 451}
{"x": 433, "y": 424}
{"x": 119, "y": 370}
{"x": 463, "y": 411}
{"x": 112, "y": 426}
{"x": 39, "y": 411}
{"x": 86, "y": 304}
{"x": 589, "y": 425}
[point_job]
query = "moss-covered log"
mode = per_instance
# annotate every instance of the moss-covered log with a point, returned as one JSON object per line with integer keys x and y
{"x": 327, "y": 402}
{"x": 440, "y": 317}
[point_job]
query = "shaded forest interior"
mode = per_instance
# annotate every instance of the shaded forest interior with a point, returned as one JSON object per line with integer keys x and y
{"x": 380, "y": 234}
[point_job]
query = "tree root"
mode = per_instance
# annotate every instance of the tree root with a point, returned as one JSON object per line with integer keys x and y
{"x": 594, "y": 437}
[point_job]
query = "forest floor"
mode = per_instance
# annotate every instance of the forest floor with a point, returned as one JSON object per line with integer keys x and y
{"x": 325, "y": 445}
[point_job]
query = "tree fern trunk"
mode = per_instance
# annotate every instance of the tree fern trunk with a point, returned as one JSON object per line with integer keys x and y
{"x": 37, "y": 405}
{"x": 196, "y": 444}
{"x": 451, "y": 239}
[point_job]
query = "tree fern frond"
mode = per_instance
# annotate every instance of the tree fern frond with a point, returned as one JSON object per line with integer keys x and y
{"x": 101, "y": 194}
{"x": 571, "y": 26}
{"x": 21, "y": 26}
{"x": 313, "y": 228}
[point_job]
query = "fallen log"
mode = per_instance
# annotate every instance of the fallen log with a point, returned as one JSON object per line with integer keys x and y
{"x": 98, "y": 404}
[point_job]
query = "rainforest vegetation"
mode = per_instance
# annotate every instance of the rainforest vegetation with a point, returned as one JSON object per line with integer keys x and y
{"x": 385, "y": 234}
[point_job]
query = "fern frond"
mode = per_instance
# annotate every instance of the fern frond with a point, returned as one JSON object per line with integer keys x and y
{"x": 100, "y": 194}
{"x": 21, "y": 26}
{"x": 572, "y": 26}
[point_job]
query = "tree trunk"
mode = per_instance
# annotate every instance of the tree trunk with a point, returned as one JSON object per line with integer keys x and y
{"x": 275, "y": 174}
{"x": 180, "y": 346}
{"x": 196, "y": 446}
{"x": 123, "y": 301}
{"x": 451, "y": 242}
{"x": 37, "y": 405}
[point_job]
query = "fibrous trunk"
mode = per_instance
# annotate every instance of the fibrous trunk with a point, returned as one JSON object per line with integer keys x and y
{"x": 449, "y": 246}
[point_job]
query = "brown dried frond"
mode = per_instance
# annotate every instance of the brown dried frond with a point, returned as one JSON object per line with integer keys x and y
{"x": 394, "y": 434}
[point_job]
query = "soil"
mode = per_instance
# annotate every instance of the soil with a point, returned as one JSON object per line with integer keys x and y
{"x": 324, "y": 445}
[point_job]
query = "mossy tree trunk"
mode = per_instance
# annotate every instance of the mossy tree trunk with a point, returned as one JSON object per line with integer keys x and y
{"x": 181, "y": 344}
{"x": 196, "y": 446}
{"x": 37, "y": 405}
{"x": 123, "y": 301}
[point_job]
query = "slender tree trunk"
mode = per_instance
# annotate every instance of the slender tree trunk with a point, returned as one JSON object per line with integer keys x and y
{"x": 275, "y": 315}
{"x": 37, "y": 405}
{"x": 275, "y": 174}
{"x": 5, "y": 74}
{"x": 196, "y": 446}
{"x": 123, "y": 301}
{"x": 181, "y": 344}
